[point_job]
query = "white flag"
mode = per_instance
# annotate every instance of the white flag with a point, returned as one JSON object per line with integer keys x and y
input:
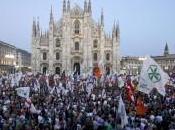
{"x": 100, "y": 65}
{"x": 121, "y": 83}
{"x": 89, "y": 89}
{"x": 29, "y": 73}
{"x": 103, "y": 94}
{"x": 33, "y": 109}
{"x": 23, "y": 92}
{"x": 13, "y": 81}
{"x": 122, "y": 113}
{"x": 52, "y": 90}
{"x": 29, "y": 104}
{"x": 152, "y": 76}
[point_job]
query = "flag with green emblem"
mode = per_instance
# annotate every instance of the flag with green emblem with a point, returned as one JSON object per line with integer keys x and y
{"x": 152, "y": 76}
{"x": 23, "y": 92}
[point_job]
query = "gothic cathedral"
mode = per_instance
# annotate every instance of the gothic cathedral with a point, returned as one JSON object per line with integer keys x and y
{"x": 75, "y": 43}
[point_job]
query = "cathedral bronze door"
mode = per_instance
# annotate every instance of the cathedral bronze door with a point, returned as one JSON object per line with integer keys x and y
{"x": 77, "y": 68}
{"x": 44, "y": 70}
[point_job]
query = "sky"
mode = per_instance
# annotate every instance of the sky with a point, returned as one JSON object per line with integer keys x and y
{"x": 145, "y": 25}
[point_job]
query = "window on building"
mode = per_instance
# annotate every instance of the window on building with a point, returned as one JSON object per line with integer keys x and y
{"x": 58, "y": 42}
{"x": 57, "y": 56}
{"x": 107, "y": 56}
{"x": 77, "y": 46}
{"x": 95, "y": 57}
{"x": 95, "y": 44}
{"x": 44, "y": 55}
{"x": 77, "y": 27}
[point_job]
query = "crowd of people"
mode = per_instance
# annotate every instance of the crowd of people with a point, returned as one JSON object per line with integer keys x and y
{"x": 74, "y": 102}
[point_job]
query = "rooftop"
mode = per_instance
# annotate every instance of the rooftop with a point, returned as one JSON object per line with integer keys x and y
{"x": 12, "y": 46}
{"x": 7, "y": 44}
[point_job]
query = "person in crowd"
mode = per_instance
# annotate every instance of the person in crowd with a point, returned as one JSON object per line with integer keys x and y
{"x": 75, "y": 102}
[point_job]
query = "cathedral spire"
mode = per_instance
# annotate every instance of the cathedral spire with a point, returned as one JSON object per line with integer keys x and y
{"x": 41, "y": 32}
{"x": 51, "y": 15}
{"x": 89, "y": 7}
{"x": 64, "y": 6}
{"x": 45, "y": 34}
{"x": 34, "y": 28}
{"x": 38, "y": 26}
{"x": 114, "y": 29}
{"x": 85, "y": 6}
{"x": 117, "y": 30}
{"x": 166, "y": 50}
{"x": 102, "y": 17}
{"x": 68, "y": 6}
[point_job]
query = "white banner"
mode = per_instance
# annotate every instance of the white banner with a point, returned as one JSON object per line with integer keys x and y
{"x": 122, "y": 112}
{"x": 23, "y": 92}
{"x": 152, "y": 76}
{"x": 121, "y": 83}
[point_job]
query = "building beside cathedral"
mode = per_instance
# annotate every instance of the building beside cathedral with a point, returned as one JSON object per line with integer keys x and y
{"x": 132, "y": 65}
{"x": 7, "y": 57}
{"x": 13, "y": 59}
{"x": 166, "y": 61}
{"x": 75, "y": 43}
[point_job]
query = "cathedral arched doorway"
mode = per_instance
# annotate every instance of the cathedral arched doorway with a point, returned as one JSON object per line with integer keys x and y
{"x": 44, "y": 70}
{"x": 77, "y": 68}
{"x": 108, "y": 70}
{"x": 57, "y": 70}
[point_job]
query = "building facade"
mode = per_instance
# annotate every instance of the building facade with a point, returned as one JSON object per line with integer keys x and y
{"x": 13, "y": 59}
{"x": 23, "y": 60}
{"x": 75, "y": 43}
{"x": 132, "y": 65}
{"x": 7, "y": 57}
{"x": 166, "y": 61}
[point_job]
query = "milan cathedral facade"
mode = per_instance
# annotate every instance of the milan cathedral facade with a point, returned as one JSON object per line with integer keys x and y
{"x": 75, "y": 43}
